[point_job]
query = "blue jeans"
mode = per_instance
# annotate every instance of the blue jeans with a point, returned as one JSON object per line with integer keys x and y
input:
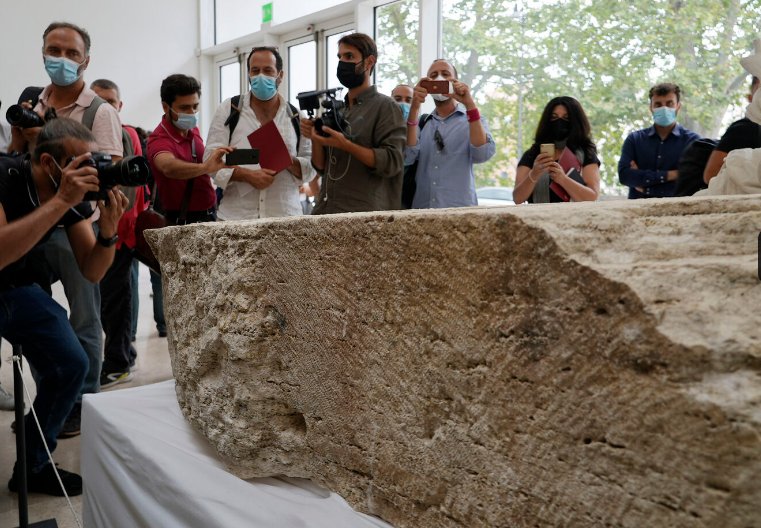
{"x": 31, "y": 318}
{"x": 158, "y": 302}
{"x": 83, "y": 297}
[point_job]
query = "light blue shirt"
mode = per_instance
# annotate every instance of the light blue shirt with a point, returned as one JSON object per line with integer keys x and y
{"x": 445, "y": 176}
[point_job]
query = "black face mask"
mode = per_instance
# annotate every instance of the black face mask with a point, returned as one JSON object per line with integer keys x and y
{"x": 348, "y": 76}
{"x": 559, "y": 129}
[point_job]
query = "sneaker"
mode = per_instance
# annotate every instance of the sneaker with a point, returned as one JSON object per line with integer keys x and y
{"x": 109, "y": 379}
{"x": 46, "y": 482}
{"x": 7, "y": 403}
{"x": 72, "y": 424}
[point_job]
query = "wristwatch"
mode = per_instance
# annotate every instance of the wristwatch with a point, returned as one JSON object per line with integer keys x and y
{"x": 107, "y": 242}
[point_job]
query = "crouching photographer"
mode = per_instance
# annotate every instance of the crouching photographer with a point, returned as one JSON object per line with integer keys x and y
{"x": 37, "y": 194}
{"x": 360, "y": 160}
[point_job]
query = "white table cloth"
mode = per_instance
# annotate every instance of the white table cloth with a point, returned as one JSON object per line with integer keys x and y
{"x": 144, "y": 465}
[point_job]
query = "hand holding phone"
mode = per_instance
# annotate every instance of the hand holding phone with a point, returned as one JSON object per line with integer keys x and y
{"x": 437, "y": 87}
{"x": 242, "y": 157}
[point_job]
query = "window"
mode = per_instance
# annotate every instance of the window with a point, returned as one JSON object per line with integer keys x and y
{"x": 302, "y": 69}
{"x": 396, "y": 35}
{"x": 229, "y": 80}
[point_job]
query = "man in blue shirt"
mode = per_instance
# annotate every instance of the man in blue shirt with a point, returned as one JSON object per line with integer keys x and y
{"x": 453, "y": 138}
{"x": 649, "y": 163}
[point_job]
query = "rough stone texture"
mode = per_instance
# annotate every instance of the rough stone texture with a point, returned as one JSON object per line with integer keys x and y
{"x": 564, "y": 365}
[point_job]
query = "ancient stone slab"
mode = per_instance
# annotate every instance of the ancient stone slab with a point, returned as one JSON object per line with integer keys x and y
{"x": 563, "y": 365}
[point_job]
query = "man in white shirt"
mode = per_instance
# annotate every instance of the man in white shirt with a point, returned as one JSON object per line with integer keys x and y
{"x": 249, "y": 190}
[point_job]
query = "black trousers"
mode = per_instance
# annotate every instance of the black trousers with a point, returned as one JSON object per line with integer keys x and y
{"x": 116, "y": 313}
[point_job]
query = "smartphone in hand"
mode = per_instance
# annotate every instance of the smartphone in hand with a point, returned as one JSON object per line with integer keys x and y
{"x": 547, "y": 148}
{"x": 242, "y": 157}
{"x": 438, "y": 87}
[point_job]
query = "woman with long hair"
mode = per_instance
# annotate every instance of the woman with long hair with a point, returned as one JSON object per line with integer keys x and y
{"x": 562, "y": 164}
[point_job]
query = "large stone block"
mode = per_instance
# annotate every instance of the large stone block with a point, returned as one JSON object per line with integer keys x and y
{"x": 565, "y": 365}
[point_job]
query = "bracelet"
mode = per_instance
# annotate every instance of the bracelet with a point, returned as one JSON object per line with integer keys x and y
{"x": 411, "y": 123}
{"x": 473, "y": 115}
{"x": 530, "y": 178}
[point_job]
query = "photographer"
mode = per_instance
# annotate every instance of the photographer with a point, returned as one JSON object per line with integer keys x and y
{"x": 36, "y": 195}
{"x": 361, "y": 164}
{"x": 250, "y": 190}
{"x": 455, "y": 137}
{"x": 66, "y": 56}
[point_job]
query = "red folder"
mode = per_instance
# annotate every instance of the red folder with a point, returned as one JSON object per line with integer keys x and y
{"x": 569, "y": 162}
{"x": 273, "y": 154}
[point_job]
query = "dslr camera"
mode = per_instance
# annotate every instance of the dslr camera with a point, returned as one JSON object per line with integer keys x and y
{"x": 131, "y": 171}
{"x": 22, "y": 117}
{"x": 332, "y": 114}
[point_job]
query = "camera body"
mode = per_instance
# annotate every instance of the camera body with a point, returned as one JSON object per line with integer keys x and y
{"x": 22, "y": 117}
{"x": 131, "y": 171}
{"x": 332, "y": 114}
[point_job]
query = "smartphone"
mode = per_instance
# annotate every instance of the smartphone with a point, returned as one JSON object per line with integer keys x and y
{"x": 242, "y": 157}
{"x": 547, "y": 148}
{"x": 437, "y": 87}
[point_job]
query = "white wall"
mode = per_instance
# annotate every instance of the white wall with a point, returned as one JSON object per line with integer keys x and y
{"x": 136, "y": 44}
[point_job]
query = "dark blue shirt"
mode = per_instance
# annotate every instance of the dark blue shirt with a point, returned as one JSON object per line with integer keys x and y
{"x": 654, "y": 158}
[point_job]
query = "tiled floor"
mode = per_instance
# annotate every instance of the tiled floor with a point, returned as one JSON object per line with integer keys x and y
{"x": 153, "y": 366}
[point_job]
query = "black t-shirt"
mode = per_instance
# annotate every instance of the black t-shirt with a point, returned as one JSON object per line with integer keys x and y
{"x": 527, "y": 160}
{"x": 18, "y": 196}
{"x": 743, "y": 133}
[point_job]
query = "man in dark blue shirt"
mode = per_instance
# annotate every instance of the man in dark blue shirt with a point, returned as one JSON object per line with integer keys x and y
{"x": 649, "y": 163}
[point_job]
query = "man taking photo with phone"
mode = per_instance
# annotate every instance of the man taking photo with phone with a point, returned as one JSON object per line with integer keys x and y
{"x": 451, "y": 139}
{"x": 250, "y": 190}
{"x": 361, "y": 165}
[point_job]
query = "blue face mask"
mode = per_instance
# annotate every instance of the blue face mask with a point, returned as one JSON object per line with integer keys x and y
{"x": 185, "y": 121}
{"x": 405, "y": 109}
{"x": 263, "y": 87}
{"x": 62, "y": 71}
{"x": 664, "y": 116}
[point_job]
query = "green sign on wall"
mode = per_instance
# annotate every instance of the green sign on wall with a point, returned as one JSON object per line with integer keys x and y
{"x": 267, "y": 13}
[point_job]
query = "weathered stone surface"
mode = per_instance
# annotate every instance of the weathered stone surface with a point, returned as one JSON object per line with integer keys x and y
{"x": 564, "y": 365}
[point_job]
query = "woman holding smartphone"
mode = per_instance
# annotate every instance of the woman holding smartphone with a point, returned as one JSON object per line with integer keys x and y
{"x": 562, "y": 164}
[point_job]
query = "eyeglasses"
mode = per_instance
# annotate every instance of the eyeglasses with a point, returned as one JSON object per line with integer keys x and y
{"x": 439, "y": 140}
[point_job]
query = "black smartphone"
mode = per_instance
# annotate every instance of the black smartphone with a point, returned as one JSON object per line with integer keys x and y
{"x": 242, "y": 157}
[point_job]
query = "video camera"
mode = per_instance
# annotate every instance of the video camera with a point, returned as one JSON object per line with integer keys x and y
{"x": 331, "y": 116}
{"x": 130, "y": 171}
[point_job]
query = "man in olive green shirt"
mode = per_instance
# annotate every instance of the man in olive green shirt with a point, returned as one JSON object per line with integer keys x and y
{"x": 361, "y": 166}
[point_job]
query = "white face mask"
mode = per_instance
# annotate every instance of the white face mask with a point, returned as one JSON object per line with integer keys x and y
{"x": 439, "y": 97}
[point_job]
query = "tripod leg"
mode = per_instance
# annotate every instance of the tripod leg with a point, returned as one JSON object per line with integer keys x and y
{"x": 18, "y": 394}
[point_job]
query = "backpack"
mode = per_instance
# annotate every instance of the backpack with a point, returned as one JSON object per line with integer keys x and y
{"x": 692, "y": 163}
{"x": 409, "y": 185}
{"x": 232, "y": 120}
{"x": 89, "y": 118}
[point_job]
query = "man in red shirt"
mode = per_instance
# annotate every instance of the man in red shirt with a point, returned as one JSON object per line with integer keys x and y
{"x": 175, "y": 152}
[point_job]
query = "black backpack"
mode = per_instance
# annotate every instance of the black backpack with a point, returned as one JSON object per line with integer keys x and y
{"x": 692, "y": 163}
{"x": 409, "y": 185}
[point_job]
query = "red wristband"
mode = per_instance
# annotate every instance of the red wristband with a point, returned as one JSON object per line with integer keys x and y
{"x": 473, "y": 115}
{"x": 411, "y": 123}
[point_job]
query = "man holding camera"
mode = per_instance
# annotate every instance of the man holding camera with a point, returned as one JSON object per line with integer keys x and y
{"x": 252, "y": 191}
{"x": 452, "y": 139}
{"x": 361, "y": 164}
{"x": 66, "y": 55}
{"x": 36, "y": 195}
{"x": 176, "y": 151}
